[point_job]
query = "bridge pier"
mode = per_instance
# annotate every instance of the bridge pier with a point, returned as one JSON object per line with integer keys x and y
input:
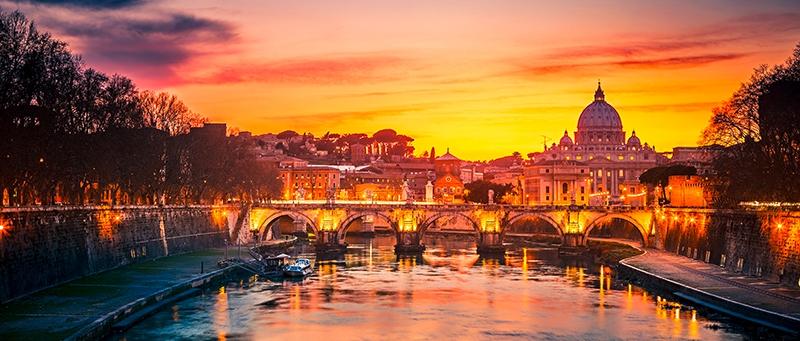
{"x": 572, "y": 243}
{"x": 299, "y": 229}
{"x": 408, "y": 242}
{"x": 328, "y": 243}
{"x": 490, "y": 243}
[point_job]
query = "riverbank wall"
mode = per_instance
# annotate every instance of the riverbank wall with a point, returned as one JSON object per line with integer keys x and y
{"x": 44, "y": 246}
{"x": 757, "y": 243}
{"x": 731, "y": 307}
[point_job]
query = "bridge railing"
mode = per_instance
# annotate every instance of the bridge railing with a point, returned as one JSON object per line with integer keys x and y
{"x": 382, "y": 205}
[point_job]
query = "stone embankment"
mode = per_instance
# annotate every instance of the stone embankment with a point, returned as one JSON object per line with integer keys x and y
{"x": 765, "y": 303}
{"x": 45, "y": 246}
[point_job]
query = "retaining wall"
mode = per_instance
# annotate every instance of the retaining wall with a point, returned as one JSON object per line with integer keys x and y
{"x": 42, "y": 247}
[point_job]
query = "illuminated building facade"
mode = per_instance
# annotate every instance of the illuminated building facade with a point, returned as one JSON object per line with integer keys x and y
{"x": 448, "y": 186}
{"x": 557, "y": 182}
{"x": 688, "y": 191}
{"x": 309, "y": 183}
{"x": 614, "y": 163}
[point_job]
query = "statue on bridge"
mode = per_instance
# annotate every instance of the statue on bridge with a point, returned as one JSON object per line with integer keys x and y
{"x": 299, "y": 194}
{"x": 407, "y": 194}
{"x": 330, "y": 195}
{"x": 491, "y": 197}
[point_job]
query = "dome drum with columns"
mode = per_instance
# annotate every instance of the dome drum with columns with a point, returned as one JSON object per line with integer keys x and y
{"x": 614, "y": 163}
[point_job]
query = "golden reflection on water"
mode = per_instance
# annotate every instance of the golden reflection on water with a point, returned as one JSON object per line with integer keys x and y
{"x": 390, "y": 297}
{"x": 221, "y": 322}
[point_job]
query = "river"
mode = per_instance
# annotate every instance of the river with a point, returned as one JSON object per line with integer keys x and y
{"x": 447, "y": 293}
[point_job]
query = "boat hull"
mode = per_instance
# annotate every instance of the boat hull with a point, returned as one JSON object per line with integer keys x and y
{"x": 297, "y": 273}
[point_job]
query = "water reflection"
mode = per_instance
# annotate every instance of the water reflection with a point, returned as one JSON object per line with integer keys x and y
{"x": 447, "y": 292}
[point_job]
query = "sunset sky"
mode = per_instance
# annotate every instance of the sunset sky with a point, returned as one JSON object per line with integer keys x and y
{"x": 484, "y": 78}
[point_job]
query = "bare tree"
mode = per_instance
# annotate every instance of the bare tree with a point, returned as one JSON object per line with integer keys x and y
{"x": 166, "y": 112}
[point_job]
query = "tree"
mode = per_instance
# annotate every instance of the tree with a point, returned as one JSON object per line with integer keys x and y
{"x": 758, "y": 126}
{"x": 478, "y": 191}
{"x": 166, "y": 112}
{"x": 737, "y": 119}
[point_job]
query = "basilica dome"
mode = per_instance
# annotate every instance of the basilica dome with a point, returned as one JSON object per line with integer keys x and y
{"x": 599, "y": 115}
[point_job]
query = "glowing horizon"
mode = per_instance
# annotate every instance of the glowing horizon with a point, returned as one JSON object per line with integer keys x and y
{"x": 485, "y": 79}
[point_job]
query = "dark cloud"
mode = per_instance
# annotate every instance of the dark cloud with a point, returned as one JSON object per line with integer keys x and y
{"x": 143, "y": 46}
{"x": 92, "y": 4}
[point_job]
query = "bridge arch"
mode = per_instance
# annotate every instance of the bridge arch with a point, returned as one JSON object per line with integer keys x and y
{"x": 530, "y": 215}
{"x": 294, "y": 215}
{"x": 643, "y": 232}
{"x": 432, "y": 219}
{"x": 341, "y": 232}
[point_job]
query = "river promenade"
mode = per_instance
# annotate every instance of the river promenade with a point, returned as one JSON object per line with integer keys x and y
{"x": 78, "y": 306}
{"x": 754, "y": 299}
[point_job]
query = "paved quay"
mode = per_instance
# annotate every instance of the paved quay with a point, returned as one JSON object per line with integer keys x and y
{"x": 715, "y": 280}
{"x": 60, "y": 311}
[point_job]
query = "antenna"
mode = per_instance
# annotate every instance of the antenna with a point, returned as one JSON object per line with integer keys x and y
{"x": 544, "y": 140}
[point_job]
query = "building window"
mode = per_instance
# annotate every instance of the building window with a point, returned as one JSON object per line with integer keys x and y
{"x": 547, "y": 189}
{"x": 564, "y": 188}
{"x": 583, "y": 189}
{"x": 620, "y": 157}
{"x": 621, "y": 173}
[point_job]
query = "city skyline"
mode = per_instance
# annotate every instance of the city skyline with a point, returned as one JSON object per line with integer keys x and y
{"x": 484, "y": 79}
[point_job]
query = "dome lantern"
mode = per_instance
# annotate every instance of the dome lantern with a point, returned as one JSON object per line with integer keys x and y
{"x": 599, "y": 95}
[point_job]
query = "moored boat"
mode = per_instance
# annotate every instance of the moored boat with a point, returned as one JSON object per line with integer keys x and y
{"x": 301, "y": 267}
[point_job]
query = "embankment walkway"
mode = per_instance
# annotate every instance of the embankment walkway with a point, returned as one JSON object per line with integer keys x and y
{"x": 751, "y": 298}
{"x": 61, "y": 311}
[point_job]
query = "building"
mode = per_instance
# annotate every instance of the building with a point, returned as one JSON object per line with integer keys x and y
{"x": 614, "y": 161}
{"x": 448, "y": 186}
{"x": 688, "y": 191}
{"x": 370, "y": 183}
{"x": 471, "y": 172}
{"x": 309, "y": 183}
{"x": 698, "y": 157}
{"x": 557, "y": 182}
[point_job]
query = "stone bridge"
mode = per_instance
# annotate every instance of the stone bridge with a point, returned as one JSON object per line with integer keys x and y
{"x": 331, "y": 221}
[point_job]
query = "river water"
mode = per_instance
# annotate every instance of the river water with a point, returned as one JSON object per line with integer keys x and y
{"x": 447, "y": 293}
